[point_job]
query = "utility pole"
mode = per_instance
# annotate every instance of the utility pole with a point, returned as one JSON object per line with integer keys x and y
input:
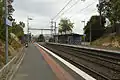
{"x": 90, "y": 35}
{"x": 42, "y": 31}
{"x": 51, "y": 28}
{"x": 84, "y": 34}
{"x": 100, "y": 12}
{"x": 6, "y": 27}
{"x": 56, "y": 38}
{"x": 55, "y": 27}
{"x": 28, "y": 29}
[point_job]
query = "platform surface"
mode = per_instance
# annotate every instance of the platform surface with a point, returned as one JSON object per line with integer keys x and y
{"x": 34, "y": 67}
{"x": 39, "y": 64}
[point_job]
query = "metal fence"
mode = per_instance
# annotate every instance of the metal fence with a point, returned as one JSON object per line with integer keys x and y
{"x": 10, "y": 66}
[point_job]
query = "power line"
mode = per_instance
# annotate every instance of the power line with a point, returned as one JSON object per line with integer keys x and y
{"x": 85, "y": 7}
{"x": 68, "y": 9}
{"x": 92, "y": 11}
{"x": 72, "y": 6}
{"x": 62, "y": 9}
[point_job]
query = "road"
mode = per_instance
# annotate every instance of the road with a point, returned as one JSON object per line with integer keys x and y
{"x": 34, "y": 67}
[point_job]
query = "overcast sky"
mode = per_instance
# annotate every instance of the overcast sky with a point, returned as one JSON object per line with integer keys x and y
{"x": 42, "y": 11}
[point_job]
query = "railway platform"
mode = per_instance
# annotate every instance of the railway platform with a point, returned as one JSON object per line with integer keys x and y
{"x": 38, "y": 64}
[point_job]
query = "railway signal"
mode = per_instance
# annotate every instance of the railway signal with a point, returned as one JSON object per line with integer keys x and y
{"x": 7, "y": 22}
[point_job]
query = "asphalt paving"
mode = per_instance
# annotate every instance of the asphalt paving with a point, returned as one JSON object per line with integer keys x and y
{"x": 34, "y": 67}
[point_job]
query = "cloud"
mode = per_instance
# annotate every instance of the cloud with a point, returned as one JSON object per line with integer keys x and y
{"x": 43, "y": 10}
{"x": 38, "y": 7}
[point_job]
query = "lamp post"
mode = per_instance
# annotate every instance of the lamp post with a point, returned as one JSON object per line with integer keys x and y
{"x": 28, "y": 27}
{"x": 84, "y": 34}
{"x": 90, "y": 35}
{"x": 90, "y": 38}
{"x": 55, "y": 29}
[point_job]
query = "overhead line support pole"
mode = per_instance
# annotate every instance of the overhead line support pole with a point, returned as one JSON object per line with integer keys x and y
{"x": 100, "y": 6}
{"x": 90, "y": 34}
{"x": 51, "y": 28}
{"x": 6, "y": 29}
{"x": 84, "y": 34}
{"x": 55, "y": 27}
{"x": 28, "y": 28}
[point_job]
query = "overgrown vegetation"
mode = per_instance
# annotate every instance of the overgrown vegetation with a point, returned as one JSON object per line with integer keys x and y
{"x": 16, "y": 30}
{"x": 105, "y": 36}
{"x": 108, "y": 41}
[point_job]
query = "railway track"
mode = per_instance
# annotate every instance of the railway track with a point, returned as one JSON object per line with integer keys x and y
{"x": 101, "y": 65}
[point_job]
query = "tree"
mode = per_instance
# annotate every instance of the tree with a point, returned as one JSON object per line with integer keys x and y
{"x": 97, "y": 30}
{"x": 2, "y": 12}
{"x": 111, "y": 10}
{"x": 65, "y": 25}
{"x": 17, "y": 29}
{"x": 41, "y": 38}
{"x": 60, "y": 30}
{"x": 2, "y": 28}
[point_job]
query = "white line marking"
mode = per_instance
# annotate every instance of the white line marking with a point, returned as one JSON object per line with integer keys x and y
{"x": 17, "y": 67}
{"x": 75, "y": 69}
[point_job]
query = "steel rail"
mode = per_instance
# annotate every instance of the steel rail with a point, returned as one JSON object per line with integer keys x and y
{"x": 102, "y": 59}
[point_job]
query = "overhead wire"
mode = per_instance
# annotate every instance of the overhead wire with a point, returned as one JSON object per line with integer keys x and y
{"x": 68, "y": 9}
{"x": 73, "y": 6}
{"x": 62, "y": 9}
{"x": 58, "y": 15}
{"x": 85, "y": 8}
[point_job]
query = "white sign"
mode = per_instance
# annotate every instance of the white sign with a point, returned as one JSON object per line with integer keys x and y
{"x": 8, "y": 22}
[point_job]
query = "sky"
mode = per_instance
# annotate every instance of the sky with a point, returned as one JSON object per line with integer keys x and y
{"x": 42, "y": 11}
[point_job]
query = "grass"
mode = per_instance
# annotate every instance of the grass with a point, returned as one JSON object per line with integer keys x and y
{"x": 109, "y": 41}
{"x": 13, "y": 47}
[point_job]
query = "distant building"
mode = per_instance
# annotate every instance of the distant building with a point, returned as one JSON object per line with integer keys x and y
{"x": 71, "y": 38}
{"x": 25, "y": 38}
{"x": 47, "y": 37}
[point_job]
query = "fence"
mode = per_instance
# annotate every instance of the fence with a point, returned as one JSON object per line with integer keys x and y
{"x": 10, "y": 66}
